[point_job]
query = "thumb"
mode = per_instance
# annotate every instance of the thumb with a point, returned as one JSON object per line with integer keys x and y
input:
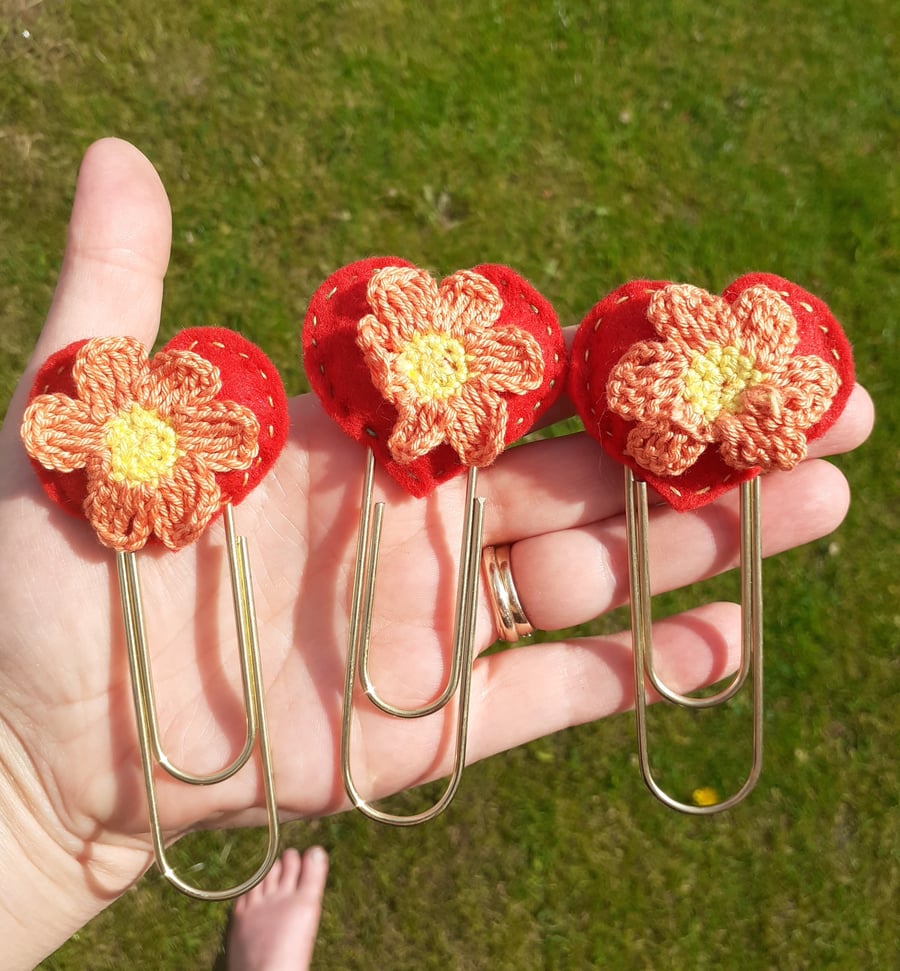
{"x": 117, "y": 251}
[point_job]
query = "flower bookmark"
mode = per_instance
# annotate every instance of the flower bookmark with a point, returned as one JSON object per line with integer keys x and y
{"x": 150, "y": 451}
{"x": 433, "y": 378}
{"x": 697, "y": 394}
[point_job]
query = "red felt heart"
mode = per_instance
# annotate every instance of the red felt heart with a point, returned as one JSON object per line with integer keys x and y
{"x": 340, "y": 375}
{"x": 620, "y": 321}
{"x": 248, "y": 378}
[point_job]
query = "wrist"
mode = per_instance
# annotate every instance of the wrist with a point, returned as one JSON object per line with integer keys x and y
{"x": 54, "y": 880}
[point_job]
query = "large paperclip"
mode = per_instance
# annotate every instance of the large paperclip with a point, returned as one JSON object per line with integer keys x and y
{"x": 433, "y": 379}
{"x": 256, "y": 736}
{"x": 642, "y": 639}
{"x": 153, "y": 449}
{"x": 462, "y": 656}
{"x": 698, "y": 394}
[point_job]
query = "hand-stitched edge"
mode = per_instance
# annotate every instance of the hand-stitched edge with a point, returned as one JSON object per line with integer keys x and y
{"x": 619, "y": 323}
{"x": 152, "y": 449}
{"x": 339, "y": 376}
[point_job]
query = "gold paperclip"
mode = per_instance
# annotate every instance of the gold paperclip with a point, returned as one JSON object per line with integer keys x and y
{"x": 459, "y": 679}
{"x": 654, "y": 379}
{"x": 138, "y": 472}
{"x": 642, "y": 638}
{"x": 152, "y": 752}
{"x": 433, "y": 378}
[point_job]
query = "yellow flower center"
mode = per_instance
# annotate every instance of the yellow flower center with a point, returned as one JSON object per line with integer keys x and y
{"x": 143, "y": 447}
{"x": 436, "y": 365}
{"x": 715, "y": 380}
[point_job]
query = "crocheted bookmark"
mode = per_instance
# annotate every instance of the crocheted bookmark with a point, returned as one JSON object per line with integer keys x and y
{"x": 433, "y": 377}
{"x": 151, "y": 450}
{"x": 697, "y": 393}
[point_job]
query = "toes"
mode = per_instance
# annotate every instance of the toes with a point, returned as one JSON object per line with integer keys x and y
{"x": 291, "y": 870}
{"x": 268, "y": 885}
{"x": 315, "y": 871}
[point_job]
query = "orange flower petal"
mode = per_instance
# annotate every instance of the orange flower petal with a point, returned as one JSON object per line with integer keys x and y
{"x": 467, "y": 304}
{"x": 770, "y": 429}
{"x": 109, "y": 373}
{"x": 185, "y": 503}
{"x": 225, "y": 435}
{"x": 768, "y": 328}
{"x": 647, "y": 385}
{"x": 403, "y": 298}
{"x": 662, "y": 448}
{"x": 756, "y": 437}
{"x": 692, "y": 318}
{"x": 434, "y": 353}
{"x": 809, "y": 385}
{"x": 476, "y": 425}
{"x": 177, "y": 380}
{"x": 505, "y": 359}
{"x": 59, "y": 434}
{"x": 418, "y": 430}
{"x": 120, "y": 514}
{"x": 375, "y": 338}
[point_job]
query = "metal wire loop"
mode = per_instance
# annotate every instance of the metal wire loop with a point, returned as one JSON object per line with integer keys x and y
{"x": 642, "y": 638}
{"x": 152, "y": 753}
{"x": 459, "y": 678}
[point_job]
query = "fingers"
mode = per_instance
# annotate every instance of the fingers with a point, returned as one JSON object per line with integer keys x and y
{"x": 559, "y": 483}
{"x": 571, "y": 576}
{"x": 522, "y": 694}
{"x": 571, "y": 564}
{"x": 530, "y": 691}
{"x": 116, "y": 254}
{"x": 850, "y": 430}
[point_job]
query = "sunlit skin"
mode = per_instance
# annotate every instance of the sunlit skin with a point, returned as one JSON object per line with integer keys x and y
{"x": 73, "y": 823}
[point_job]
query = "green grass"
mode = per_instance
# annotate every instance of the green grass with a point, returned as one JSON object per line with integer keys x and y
{"x": 584, "y": 143}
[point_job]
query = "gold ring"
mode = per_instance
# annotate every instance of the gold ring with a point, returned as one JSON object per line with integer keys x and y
{"x": 509, "y": 616}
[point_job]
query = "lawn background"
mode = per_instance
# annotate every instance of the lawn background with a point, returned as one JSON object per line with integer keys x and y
{"x": 583, "y": 143}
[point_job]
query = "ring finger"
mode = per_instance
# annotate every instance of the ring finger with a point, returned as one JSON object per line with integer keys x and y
{"x": 566, "y": 577}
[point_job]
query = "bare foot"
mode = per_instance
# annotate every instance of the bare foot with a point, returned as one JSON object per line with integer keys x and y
{"x": 273, "y": 927}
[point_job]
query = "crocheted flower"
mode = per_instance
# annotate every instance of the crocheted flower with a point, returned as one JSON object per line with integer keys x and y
{"x": 435, "y": 352}
{"x": 723, "y": 374}
{"x": 406, "y": 303}
{"x": 149, "y": 436}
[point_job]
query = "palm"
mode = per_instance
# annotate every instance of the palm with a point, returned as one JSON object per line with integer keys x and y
{"x": 63, "y": 661}
{"x": 302, "y": 528}
{"x": 302, "y": 535}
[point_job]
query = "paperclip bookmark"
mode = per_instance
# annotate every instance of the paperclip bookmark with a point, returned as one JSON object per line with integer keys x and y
{"x": 433, "y": 378}
{"x": 696, "y": 394}
{"x": 149, "y": 451}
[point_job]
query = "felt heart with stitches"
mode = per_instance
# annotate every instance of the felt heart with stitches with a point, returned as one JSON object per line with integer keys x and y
{"x": 152, "y": 449}
{"x": 697, "y": 393}
{"x": 433, "y": 377}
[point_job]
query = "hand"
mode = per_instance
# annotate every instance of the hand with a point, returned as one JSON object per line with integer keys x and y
{"x": 67, "y": 736}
